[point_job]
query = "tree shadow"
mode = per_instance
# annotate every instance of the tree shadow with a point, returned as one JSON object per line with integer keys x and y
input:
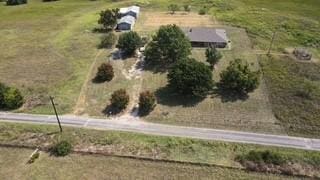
{"x": 111, "y": 111}
{"x": 228, "y": 95}
{"x": 167, "y": 96}
{"x": 101, "y": 30}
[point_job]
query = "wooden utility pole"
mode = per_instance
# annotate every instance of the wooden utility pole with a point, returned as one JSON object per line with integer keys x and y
{"x": 271, "y": 44}
{"x": 55, "y": 111}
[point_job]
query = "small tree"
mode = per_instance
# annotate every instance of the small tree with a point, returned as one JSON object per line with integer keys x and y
{"x": 213, "y": 56}
{"x": 190, "y": 77}
{"x": 129, "y": 42}
{"x": 12, "y": 98}
{"x": 187, "y": 8}
{"x": 108, "y": 18}
{"x": 62, "y": 148}
{"x": 105, "y": 73}
{"x": 108, "y": 40}
{"x": 147, "y": 102}
{"x": 202, "y": 11}
{"x": 173, "y": 8}
{"x": 239, "y": 78}
{"x": 119, "y": 100}
{"x": 167, "y": 46}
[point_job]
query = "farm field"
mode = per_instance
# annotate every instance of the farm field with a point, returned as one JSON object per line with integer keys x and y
{"x": 77, "y": 166}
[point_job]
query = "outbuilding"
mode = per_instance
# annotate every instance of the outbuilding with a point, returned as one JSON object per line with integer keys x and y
{"x": 126, "y": 23}
{"x": 133, "y": 11}
{"x": 207, "y": 37}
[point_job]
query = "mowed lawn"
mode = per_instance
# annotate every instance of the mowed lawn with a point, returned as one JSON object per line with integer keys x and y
{"x": 47, "y": 49}
{"x": 14, "y": 167}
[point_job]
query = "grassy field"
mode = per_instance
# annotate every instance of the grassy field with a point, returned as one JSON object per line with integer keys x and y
{"x": 100, "y": 167}
{"x": 295, "y": 94}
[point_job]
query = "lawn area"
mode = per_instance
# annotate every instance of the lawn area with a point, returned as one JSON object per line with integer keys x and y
{"x": 77, "y": 166}
{"x": 217, "y": 110}
{"x": 295, "y": 94}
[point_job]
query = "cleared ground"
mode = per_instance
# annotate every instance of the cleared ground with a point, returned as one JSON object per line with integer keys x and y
{"x": 100, "y": 167}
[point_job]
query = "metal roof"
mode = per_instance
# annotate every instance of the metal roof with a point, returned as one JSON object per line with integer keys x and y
{"x": 135, "y": 9}
{"x": 204, "y": 34}
{"x": 127, "y": 19}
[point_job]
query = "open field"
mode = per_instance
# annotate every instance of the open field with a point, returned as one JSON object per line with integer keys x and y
{"x": 77, "y": 166}
{"x": 218, "y": 110}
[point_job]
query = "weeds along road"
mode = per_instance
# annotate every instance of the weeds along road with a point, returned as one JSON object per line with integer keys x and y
{"x": 131, "y": 124}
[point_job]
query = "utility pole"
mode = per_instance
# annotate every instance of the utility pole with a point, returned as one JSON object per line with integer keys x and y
{"x": 272, "y": 40}
{"x": 55, "y": 111}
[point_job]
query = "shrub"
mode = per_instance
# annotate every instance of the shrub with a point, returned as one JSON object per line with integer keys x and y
{"x": 190, "y": 77}
{"x": 108, "y": 18}
{"x": 62, "y": 148}
{"x": 10, "y": 97}
{"x": 268, "y": 157}
{"x": 129, "y": 42}
{"x": 105, "y": 73}
{"x": 239, "y": 78}
{"x": 16, "y": 2}
{"x": 147, "y": 102}
{"x": 168, "y": 46}
{"x": 108, "y": 40}
{"x": 202, "y": 11}
{"x": 173, "y": 8}
{"x": 119, "y": 100}
{"x": 187, "y": 8}
{"x": 213, "y": 56}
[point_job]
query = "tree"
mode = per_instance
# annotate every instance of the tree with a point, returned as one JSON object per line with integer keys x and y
{"x": 16, "y": 2}
{"x": 213, "y": 56}
{"x": 167, "y": 46}
{"x": 187, "y": 8}
{"x": 129, "y": 42}
{"x": 105, "y": 73}
{"x": 202, "y": 11}
{"x": 239, "y": 78}
{"x": 173, "y": 8}
{"x": 3, "y": 90}
{"x": 108, "y": 40}
{"x": 108, "y": 18}
{"x": 147, "y": 102}
{"x": 190, "y": 77}
{"x": 119, "y": 100}
{"x": 13, "y": 98}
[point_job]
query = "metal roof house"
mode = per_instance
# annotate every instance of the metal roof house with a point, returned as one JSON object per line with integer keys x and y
{"x": 126, "y": 23}
{"x": 132, "y": 11}
{"x": 205, "y": 37}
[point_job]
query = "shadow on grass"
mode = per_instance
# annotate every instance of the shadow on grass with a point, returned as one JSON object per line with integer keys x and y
{"x": 167, "y": 96}
{"x": 110, "y": 110}
{"x": 101, "y": 30}
{"x": 227, "y": 95}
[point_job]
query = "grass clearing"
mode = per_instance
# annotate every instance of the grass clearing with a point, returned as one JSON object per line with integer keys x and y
{"x": 77, "y": 166}
{"x": 295, "y": 94}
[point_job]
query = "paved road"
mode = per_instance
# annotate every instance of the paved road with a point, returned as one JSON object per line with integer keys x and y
{"x": 134, "y": 125}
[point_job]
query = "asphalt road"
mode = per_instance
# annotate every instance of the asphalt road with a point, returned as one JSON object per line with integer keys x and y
{"x": 134, "y": 125}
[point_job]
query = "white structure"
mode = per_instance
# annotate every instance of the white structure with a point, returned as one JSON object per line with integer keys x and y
{"x": 126, "y": 23}
{"x": 132, "y": 11}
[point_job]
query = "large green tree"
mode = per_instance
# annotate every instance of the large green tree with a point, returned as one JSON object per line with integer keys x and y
{"x": 239, "y": 78}
{"x": 190, "y": 77}
{"x": 129, "y": 42}
{"x": 108, "y": 18}
{"x": 168, "y": 46}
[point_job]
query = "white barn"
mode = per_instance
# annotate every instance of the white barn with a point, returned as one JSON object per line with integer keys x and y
{"x": 126, "y": 23}
{"x": 133, "y": 11}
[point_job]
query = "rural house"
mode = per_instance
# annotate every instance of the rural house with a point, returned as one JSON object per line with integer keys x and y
{"x": 205, "y": 37}
{"x": 131, "y": 11}
{"x": 126, "y": 23}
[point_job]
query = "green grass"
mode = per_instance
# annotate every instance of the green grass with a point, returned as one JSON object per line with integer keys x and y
{"x": 131, "y": 144}
{"x": 295, "y": 94}
{"x": 14, "y": 167}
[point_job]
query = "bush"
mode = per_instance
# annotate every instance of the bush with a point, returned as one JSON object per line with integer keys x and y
{"x": 190, "y": 77}
{"x": 213, "y": 56}
{"x": 108, "y": 18}
{"x": 239, "y": 78}
{"x": 62, "y": 148}
{"x": 119, "y": 100}
{"x": 105, "y": 73}
{"x": 173, "y": 8}
{"x": 187, "y": 8}
{"x": 168, "y": 46}
{"x": 16, "y": 2}
{"x": 129, "y": 42}
{"x": 266, "y": 156}
{"x": 10, "y": 97}
{"x": 202, "y": 11}
{"x": 108, "y": 40}
{"x": 147, "y": 102}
